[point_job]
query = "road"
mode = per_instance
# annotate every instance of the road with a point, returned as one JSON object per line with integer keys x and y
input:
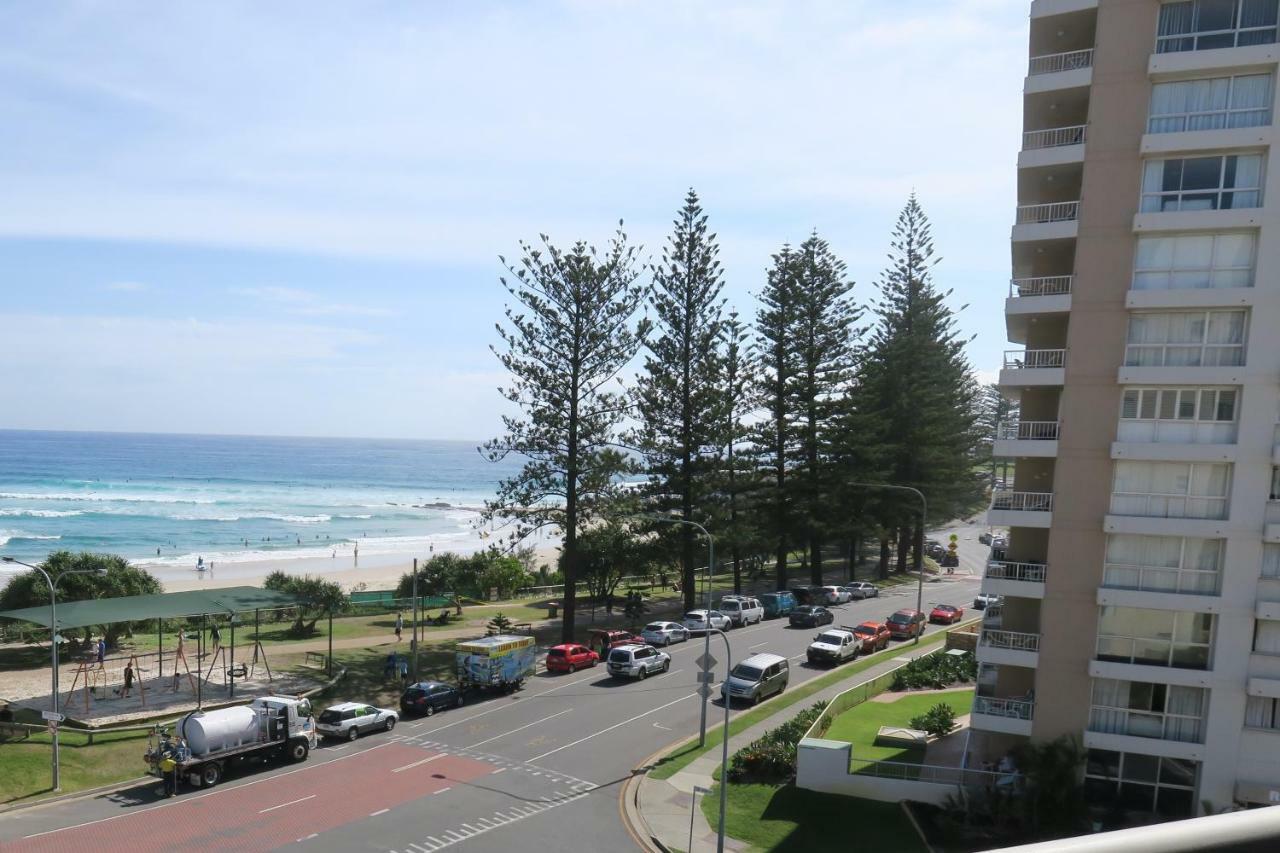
{"x": 543, "y": 766}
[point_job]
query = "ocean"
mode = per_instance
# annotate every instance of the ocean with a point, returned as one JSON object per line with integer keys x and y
{"x": 171, "y": 500}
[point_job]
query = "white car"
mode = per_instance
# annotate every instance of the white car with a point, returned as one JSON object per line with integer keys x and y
{"x": 349, "y": 720}
{"x": 984, "y": 600}
{"x": 841, "y": 594}
{"x": 834, "y": 646}
{"x": 742, "y": 609}
{"x": 697, "y": 621}
{"x": 862, "y": 589}
{"x": 637, "y": 661}
{"x": 664, "y": 633}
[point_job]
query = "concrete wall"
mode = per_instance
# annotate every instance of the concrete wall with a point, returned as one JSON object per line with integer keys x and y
{"x": 823, "y": 765}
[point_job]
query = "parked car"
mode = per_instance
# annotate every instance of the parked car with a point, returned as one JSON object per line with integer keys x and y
{"x": 841, "y": 595}
{"x": 906, "y": 624}
{"x": 777, "y": 604}
{"x": 861, "y": 589}
{"x": 833, "y": 646}
{"x": 570, "y": 657}
{"x": 637, "y": 661}
{"x": 602, "y": 639}
{"x": 984, "y": 538}
{"x": 1000, "y": 542}
{"x": 811, "y": 616}
{"x": 935, "y": 549}
{"x": 664, "y": 633}
{"x": 823, "y": 595}
{"x": 742, "y": 609}
{"x": 874, "y": 635}
{"x": 946, "y": 614}
{"x": 985, "y": 599}
{"x": 697, "y": 621}
{"x": 349, "y": 720}
{"x": 427, "y": 697}
{"x": 756, "y": 678}
{"x": 802, "y": 595}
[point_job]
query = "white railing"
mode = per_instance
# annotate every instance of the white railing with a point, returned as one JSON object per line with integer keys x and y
{"x": 929, "y": 773}
{"x": 1054, "y": 211}
{"x": 1010, "y": 571}
{"x": 1054, "y": 62}
{"x": 1185, "y": 581}
{"x": 1015, "y": 709}
{"x": 1184, "y": 355}
{"x": 1022, "y": 501}
{"x": 1027, "y": 431}
{"x": 1053, "y": 137}
{"x": 1045, "y": 285}
{"x": 1147, "y": 505}
{"x": 1034, "y": 359}
{"x": 1016, "y": 640}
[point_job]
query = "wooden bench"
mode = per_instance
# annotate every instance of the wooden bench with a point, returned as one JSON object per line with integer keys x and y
{"x": 14, "y": 731}
{"x": 523, "y": 627}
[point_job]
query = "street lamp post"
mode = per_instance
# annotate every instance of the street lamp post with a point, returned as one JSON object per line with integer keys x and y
{"x": 924, "y": 515}
{"x": 724, "y": 744}
{"x": 53, "y": 641}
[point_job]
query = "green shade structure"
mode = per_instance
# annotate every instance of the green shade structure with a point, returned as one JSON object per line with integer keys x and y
{"x": 169, "y": 605}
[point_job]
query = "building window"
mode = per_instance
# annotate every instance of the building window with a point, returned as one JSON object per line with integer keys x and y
{"x": 1214, "y": 104}
{"x": 1275, "y": 483}
{"x": 1138, "y": 635}
{"x": 1217, "y": 182}
{"x": 1194, "y": 261}
{"x": 1186, "y": 339}
{"x": 1266, "y": 637}
{"x": 1137, "y": 782}
{"x": 1270, "y": 560}
{"x": 1262, "y": 712}
{"x": 1180, "y": 564}
{"x": 1171, "y": 489}
{"x": 1211, "y": 24}
{"x": 1140, "y": 709}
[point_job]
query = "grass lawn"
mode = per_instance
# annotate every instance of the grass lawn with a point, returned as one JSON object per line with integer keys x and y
{"x": 859, "y": 724}
{"x": 25, "y": 766}
{"x": 787, "y": 818}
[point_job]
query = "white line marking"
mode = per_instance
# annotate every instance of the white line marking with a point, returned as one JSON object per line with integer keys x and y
{"x": 469, "y": 827}
{"x": 290, "y": 803}
{"x": 442, "y": 790}
{"x": 378, "y": 812}
{"x": 661, "y": 726}
{"x": 423, "y": 761}
{"x": 758, "y": 645}
{"x": 522, "y": 728}
{"x": 611, "y": 728}
{"x": 500, "y": 769}
{"x": 436, "y": 841}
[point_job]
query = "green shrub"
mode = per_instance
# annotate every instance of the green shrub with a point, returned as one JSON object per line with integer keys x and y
{"x": 937, "y": 721}
{"x": 772, "y": 756}
{"x": 935, "y": 671}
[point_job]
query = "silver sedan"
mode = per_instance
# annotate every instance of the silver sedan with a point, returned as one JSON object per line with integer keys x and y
{"x": 664, "y": 633}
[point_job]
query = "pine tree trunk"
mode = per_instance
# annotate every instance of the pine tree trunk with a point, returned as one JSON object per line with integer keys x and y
{"x": 882, "y": 570}
{"x": 904, "y": 545}
{"x": 737, "y": 569}
{"x": 815, "y": 560}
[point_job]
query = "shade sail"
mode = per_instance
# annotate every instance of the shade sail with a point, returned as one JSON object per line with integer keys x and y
{"x": 168, "y": 605}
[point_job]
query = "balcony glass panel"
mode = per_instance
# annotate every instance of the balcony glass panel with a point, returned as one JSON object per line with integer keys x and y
{"x": 1178, "y": 415}
{"x": 1213, "y": 24}
{"x": 1186, "y": 339}
{"x": 1154, "y": 637}
{"x": 1194, "y": 261}
{"x": 1186, "y": 565}
{"x": 1171, "y": 489}
{"x": 1216, "y": 182}
{"x": 1211, "y": 104}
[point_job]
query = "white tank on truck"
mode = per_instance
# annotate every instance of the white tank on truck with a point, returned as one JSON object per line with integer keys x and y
{"x": 214, "y": 731}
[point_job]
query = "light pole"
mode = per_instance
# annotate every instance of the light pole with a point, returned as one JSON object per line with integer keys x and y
{"x": 53, "y": 641}
{"x": 711, "y": 561}
{"x": 724, "y": 743}
{"x": 924, "y": 514}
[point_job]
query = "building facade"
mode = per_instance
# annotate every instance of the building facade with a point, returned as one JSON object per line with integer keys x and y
{"x": 1141, "y": 573}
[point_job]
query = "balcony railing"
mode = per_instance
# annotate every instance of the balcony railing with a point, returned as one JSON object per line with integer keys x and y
{"x": 1009, "y": 571}
{"x": 1051, "y": 63}
{"x": 1045, "y": 285}
{"x": 1034, "y": 359}
{"x": 1148, "y": 505}
{"x": 1022, "y": 501}
{"x": 937, "y": 774}
{"x": 1053, "y": 137}
{"x": 1054, "y": 211}
{"x": 1016, "y": 640}
{"x": 1028, "y": 431}
{"x": 1014, "y": 709}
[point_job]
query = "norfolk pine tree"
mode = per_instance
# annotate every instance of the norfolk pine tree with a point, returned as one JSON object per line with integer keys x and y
{"x": 736, "y": 480}
{"x": 571, "y": 335}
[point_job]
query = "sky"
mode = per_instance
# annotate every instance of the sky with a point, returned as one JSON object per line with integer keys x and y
{"x": 286, "y": 218}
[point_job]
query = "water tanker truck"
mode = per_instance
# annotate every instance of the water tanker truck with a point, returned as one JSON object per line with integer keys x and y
{"x": 204, "y": 743}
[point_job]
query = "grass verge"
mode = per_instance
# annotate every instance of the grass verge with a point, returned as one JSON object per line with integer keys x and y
{"x": 25, "y": 771}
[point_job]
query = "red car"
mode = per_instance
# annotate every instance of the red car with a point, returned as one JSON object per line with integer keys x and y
{"x": 946, "y": 614}
{"x": 601, "y": 640}
{"x": 905, "y": 624}
{"x": 570, "y": 657}
{"x": 874, "y": 635}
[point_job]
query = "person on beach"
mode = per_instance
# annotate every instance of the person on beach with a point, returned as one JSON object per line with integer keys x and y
{"x": 399, "y": 625}
{"x": 128, "y": 680}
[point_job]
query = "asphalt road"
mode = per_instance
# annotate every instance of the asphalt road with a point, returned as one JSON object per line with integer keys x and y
{"x": 543, "y": 766}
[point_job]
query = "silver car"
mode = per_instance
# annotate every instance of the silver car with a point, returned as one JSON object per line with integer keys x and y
{"x": 349, "y": 720}
{"x": 664, "y": 633}
{"x": 862, "y": 589}
{"x": 697, "y": 621}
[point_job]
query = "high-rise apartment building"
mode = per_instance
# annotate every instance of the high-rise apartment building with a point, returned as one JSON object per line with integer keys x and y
{"x": 1141, "y": 576}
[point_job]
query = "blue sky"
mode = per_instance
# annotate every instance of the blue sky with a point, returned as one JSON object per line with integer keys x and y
{"x": 286, "y": 218}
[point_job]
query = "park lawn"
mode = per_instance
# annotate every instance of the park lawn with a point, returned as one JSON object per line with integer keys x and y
{"x": 788, "y": 819}
{"x": 859, "y": 724}
{"x": 25, "y": 765}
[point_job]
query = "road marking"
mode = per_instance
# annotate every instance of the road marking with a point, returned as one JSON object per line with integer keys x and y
{"x": 378, "y": 812}
{"x": 611, "y": 728}
{"x": 661, "y": 726}
{"x": 522, "y": 728}
{"x": 442, "y": 790}
{"x": 758, "y": 645}
{"x": 513, "y": 815}
{"x": 416, "y": 763}
{"x": 500, "y": 769}
{"x": 290, "y": 803}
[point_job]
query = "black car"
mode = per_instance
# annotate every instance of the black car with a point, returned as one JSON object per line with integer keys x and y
{"x": 811, "y": 616}
{"x": 803, "y": 594}
{"x": 427, "y": 697}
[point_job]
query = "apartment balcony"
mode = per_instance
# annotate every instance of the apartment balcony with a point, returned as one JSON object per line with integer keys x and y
{"x": 1034, "y": 368}
{"x": 1033, "y": 297}
{"x": 1055, "y": 220}
{"x": 1020, "y": 509}
{"x": 1050, "y": 8}
{"x": 1271, "y": 522}
{"x": 1167, "y": 514}
{"x": 1173, "y": 451}
{"x": 1052, "y": 146}
{"x": 1123, "y": 671}
{"x": 1019, "y": 580}
{"x": 1009, "y": 716}
{"x": 1026, "y": 438}
{"x": 1177, "y": 63}
{"x": 1145, "y": 745}
{"x": 1009, "y": 648}
{"x": 1067, "y": 70}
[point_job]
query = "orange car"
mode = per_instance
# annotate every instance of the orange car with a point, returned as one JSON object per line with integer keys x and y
{"x": 874, "y": 635}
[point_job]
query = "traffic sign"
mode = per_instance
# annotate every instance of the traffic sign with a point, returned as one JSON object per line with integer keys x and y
{"x": 706, "y": 677}
{"x": 53, "y": 716}
{"x": 704, "y": 690}
{"x": 705, "y": 661}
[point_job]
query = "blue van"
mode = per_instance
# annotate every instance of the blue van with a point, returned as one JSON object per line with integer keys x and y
{"x": 777, "y": 604}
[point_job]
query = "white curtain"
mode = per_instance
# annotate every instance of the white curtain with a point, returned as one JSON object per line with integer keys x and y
{"x": 1267, "y": 637}
{"x": 1260, "y": 712}
{"x": 1233, "y": 260}
{"x": 1187, "y": 702}
{"x": 1110, "y": 701}
{"x": 1251, "y": 100}
{"x": 1248, "y": 171}
{"x": 1271, "y": 561}
{"x": 1226, "y": 327}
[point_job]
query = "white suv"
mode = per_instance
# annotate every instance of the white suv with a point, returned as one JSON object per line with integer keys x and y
{"x": 742, "y": 610}
{"x": 637, "y": 661}
{"x": 697, "y": 621}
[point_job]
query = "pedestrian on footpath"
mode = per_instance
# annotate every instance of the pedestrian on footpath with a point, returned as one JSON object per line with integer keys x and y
{"x": 128, "y": 680}
{"x": 399, "y": 625}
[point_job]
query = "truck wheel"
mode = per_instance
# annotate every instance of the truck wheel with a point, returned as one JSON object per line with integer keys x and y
{"x": 298, "y": 750}
{"x": 210, "y": 774}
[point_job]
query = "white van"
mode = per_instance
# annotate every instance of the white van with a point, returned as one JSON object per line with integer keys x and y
{"x": 756, "y": 678}
{"x": 742, "y": 610}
